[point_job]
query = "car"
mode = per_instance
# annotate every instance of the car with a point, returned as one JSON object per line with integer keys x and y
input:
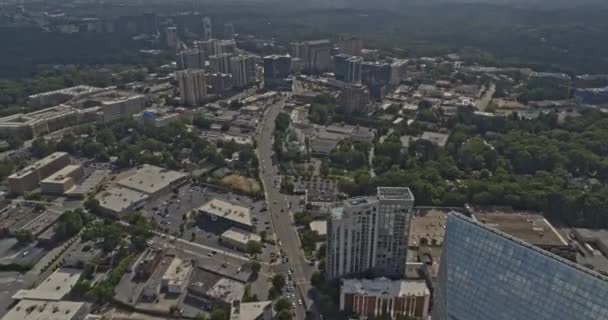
{"x": 25, "y": 253}
{"x": 274, "y": 202}
{"x": 300, "y": 301}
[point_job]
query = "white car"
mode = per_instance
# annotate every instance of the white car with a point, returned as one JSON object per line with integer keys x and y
{"x": 300, "y": 301}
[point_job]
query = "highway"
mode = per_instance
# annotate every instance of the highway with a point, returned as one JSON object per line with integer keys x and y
{"x": 282, "y": 218}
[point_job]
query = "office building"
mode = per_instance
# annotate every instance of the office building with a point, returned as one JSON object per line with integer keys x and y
{"x": 229, "y": 213}
{"x": 220, "y": 83}
{"x": 228, "y": 31}
{"x": 487, "y": 274}
{"x": 349, "y": 45}
{"x": 55, "y": 97}
{"x": 54, "y": 288}
{"x": 117, "y": 104}
{"x": 171, "y": 37}
{"x": 276, "y": 71}
{"x": 207, "y": 34}
{"x": 192, "y": 86}
{"x": 237, "y": 239}
{"x": 220, "y": 63}
{"x": 376, "y": 76}
{"x": 370, "y": 234}
{"x": 191, "y": 59}
{"x": 316, "y": 55}
{"x": 243, "y": 69}
{"x": 28, "y": 178}
{"x": 347, "y": 68}
{"x": 63, "y": 180}
{"x": 381, "y": 296}
{"x": 354, "y": 99}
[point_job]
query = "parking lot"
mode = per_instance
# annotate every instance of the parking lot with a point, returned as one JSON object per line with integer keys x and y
{"x": 176, "y": 214}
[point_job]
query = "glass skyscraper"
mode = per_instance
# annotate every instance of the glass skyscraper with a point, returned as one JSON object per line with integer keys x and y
{"x": 488, "y": 275}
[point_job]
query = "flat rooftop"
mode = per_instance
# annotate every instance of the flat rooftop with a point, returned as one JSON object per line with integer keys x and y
{"x": 35, "y": 166}
{"x": 227, "y": 210}
{"x": 319, "y": 226}
{"x": 118, "y": 199}
{"x": 53, "y": 288}
{"x": 427, "y": 228}
{"x": 385, "y": 287}
{"x": 73, "y": 91}
{"x": 178, "y": 272}
{"x": 44, "y": 310}
{"x": 240, "y": 236}
{"x": 90, "y": 183}
{"x": 437, "y": 138}
{"x": 151, "y": 179}
{"x": 249, "y": 310}
{"x": 531, "y": 228}
{"x": 226, "y": 290}
{"x": 395, "y": 193}
{"x": 63, "y": 174}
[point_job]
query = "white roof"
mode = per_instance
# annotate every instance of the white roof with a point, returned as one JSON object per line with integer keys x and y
{"x": 227, "y": 210}
{"x": 151, "y": 179}
{"x": 240, "y": 236}
{"x": 119, "y": 199}
{"x": 319, "y": 226}
{"x": 44, "y": 310}
{"x": 178, "y": 272}
{"x": 227, "y": 290}
{"x": 385, "y": 287}
{"x": 249, "y": 310}
{"x": 53, "y": 288}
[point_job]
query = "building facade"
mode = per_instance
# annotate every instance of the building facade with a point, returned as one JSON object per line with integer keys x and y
{"x": 370, "y": 234}
{"x": 243, "y": 70}
{"x": 384, "y": 297}
{"x": 207, "y": 34}
{"x": 192, "y": 86}
{"x": 191, "y": 59}
{"x": 487, "y": 274}
{"x": 276, "y": 70}
{"x": 354, "y": 99}
{"x": 316, "y": 55}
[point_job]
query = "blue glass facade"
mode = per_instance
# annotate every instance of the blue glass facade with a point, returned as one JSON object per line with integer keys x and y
{"x": 488, "y": 275}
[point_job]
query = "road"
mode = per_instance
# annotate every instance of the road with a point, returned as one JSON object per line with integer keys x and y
{"x": 282, "y": 218}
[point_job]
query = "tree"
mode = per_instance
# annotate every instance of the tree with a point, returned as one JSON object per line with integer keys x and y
{"x": 281, "y": 123}
{"x": 256, "y": 267}
{"x": 278, "y": 281}
{"x": 24, "y": 236}
{"x": 69, "y": 224}
{"x": 219, "y": 314}
{"x": 282, "y": 304}
{"x": 254, "y": 247}
{"x": 200, "y": 316}
{"x": 284, "y": 315}
{"x": 201, "y": 122}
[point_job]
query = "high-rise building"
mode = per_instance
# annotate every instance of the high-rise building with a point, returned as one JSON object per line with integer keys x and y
{"x": 191, "y": 59}
{"x": 228, "y": 31}
{"x": 220, "y": 83}
{"x": 192, "y": 86}
{"x": 315, "y": 54}
{"x": 370, "y": 234}
{"x": 377, "y": 77}
{"x": 350, "y": 45}
{"x": 353, "y": 99}
{"x": 276, "y": 70}
{"x": 171, "y": 37}
{"x": 207, "y": 47}
{"x": 226, "y": 46}
{"x": 347, "y": 68}
{"x": 220, "y": 63}
{"x": 207, "y": 34}
{"x": 243, "y": 70}
{"x": 487, "y": 274}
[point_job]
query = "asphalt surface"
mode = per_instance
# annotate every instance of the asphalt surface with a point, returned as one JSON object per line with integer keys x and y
{"x": 282, "y": 217}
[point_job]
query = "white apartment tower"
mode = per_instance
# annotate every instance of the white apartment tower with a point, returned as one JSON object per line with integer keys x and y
{"x": 192, "y": 86}
{"x": 243, "y": 70}
{"x": 370, "y": 234}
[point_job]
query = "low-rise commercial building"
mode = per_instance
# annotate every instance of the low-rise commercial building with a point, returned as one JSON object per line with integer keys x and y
{"x": 53, "y": 288}
{"x": 261, "y": 310}
{"x": 63, "y": 180}
{"x": 48, "y": 310}
{"x": 153, "y": 180}
{"x": 27, "y": 179}
{"x": 176, "y": 277}
{"x": 376, "y": 297}
{"x": 56, "y": 97}
{"x": 119, "y": 199}
{"x": 235, "y": 214}
{"x": 238, "y": 239}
